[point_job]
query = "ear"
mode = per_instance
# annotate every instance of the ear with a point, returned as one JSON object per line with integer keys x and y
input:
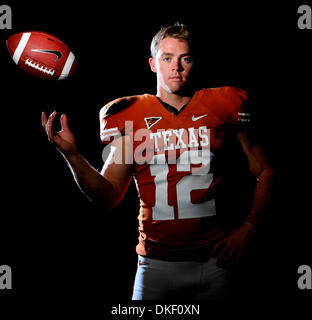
{"x": 152, "y": 64}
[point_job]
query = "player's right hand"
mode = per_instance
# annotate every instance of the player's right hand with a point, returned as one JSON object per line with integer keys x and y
{"x": 64, "y": 140}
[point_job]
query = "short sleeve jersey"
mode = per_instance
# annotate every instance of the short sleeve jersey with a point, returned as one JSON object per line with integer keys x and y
{"x": 174, "y": 159}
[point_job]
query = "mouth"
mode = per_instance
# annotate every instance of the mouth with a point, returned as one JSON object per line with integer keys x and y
{"x": 176, "y": 78}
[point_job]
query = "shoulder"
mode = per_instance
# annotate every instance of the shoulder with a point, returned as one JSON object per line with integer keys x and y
{"x": 226, "y": 100}
{"x": 115, "y": 114}
{"x": 230, "y": 93}
{"x": 228, "y": 104}
{"x": 123, "y": 103}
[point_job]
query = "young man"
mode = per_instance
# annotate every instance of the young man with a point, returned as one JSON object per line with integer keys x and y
{"x": 170, "y": 144}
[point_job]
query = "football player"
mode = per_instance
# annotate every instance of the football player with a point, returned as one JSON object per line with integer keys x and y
{"x": 170, "y": 143}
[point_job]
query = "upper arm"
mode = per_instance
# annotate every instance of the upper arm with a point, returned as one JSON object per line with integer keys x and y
{"x": 117, "y": 168}
{"x": 258, "y": 162}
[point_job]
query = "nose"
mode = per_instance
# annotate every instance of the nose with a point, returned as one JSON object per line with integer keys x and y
{"x": 176, "y": 65}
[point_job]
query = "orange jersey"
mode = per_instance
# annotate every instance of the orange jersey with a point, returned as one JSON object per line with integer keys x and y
{"x": 174, "y": 160}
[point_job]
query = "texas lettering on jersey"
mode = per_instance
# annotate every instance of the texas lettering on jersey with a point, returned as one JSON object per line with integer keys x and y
{"x": 158, "y": 142}
{"x": 174, "y": 159}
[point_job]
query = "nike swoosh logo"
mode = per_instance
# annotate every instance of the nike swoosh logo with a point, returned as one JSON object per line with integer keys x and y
{"x": 199, "y": 117}
{"x": 58, "y": 54}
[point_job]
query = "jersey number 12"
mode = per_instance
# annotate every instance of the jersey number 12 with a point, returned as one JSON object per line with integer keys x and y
{"x": 194, "y": 180}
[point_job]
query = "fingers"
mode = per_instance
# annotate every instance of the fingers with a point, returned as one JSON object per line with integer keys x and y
{"x": 225, "y": 256}
{"x": 216, "y": 249}
{"x": 48, "y": 124}
{"x": 226, "y": 253}
{"x": 64, "y": 122}
{"x": 43, "y": 119}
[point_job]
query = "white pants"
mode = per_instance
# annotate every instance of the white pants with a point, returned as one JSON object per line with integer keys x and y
{"x": 161, "y": 280}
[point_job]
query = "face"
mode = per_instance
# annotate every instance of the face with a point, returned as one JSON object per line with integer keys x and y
{"x": 173, "y": 64}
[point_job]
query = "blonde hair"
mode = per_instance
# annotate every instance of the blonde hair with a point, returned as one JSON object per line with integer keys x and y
{"x": 176, "y": 31}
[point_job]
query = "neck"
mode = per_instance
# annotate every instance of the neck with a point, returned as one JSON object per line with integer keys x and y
{"x": 176, "y": 100}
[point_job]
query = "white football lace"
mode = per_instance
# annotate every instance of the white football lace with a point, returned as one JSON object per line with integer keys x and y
{"x": 37, "y": 66}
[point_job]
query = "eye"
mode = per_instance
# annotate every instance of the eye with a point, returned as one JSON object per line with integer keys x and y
{"x": 167, "y": 59}
{"x": 187, "y": 59}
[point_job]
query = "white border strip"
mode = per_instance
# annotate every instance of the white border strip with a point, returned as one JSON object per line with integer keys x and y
{"x": 21, "y": 46}
{"x": 67, "y": 66}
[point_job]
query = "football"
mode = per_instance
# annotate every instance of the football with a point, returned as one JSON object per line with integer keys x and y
{"x": 42, "y": 55}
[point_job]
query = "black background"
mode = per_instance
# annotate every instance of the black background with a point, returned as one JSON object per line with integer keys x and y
{"x": 63, "y": 251}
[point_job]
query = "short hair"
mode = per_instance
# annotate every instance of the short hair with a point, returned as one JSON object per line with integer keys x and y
{"x": 176, "y": 31}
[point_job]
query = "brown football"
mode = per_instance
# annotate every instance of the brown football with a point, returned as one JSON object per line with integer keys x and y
{"x": 42, "y": 55}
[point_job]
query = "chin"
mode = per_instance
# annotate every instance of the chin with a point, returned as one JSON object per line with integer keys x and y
{"x": 182, "y": 90}
{"x": 176, "y": 89}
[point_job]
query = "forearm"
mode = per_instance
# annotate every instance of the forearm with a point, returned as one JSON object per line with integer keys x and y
{"x": 89, "y": 180}
{"x": 261, "y": 197}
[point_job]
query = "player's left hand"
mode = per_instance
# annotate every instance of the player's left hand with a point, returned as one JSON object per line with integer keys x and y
{"x": 229, "y": 250}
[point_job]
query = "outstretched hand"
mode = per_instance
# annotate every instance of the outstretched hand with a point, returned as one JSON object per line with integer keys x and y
{"x": 64, "y": 140}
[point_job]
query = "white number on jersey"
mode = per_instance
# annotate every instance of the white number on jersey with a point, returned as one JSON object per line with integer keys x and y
{"x": 194, "y": 180}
